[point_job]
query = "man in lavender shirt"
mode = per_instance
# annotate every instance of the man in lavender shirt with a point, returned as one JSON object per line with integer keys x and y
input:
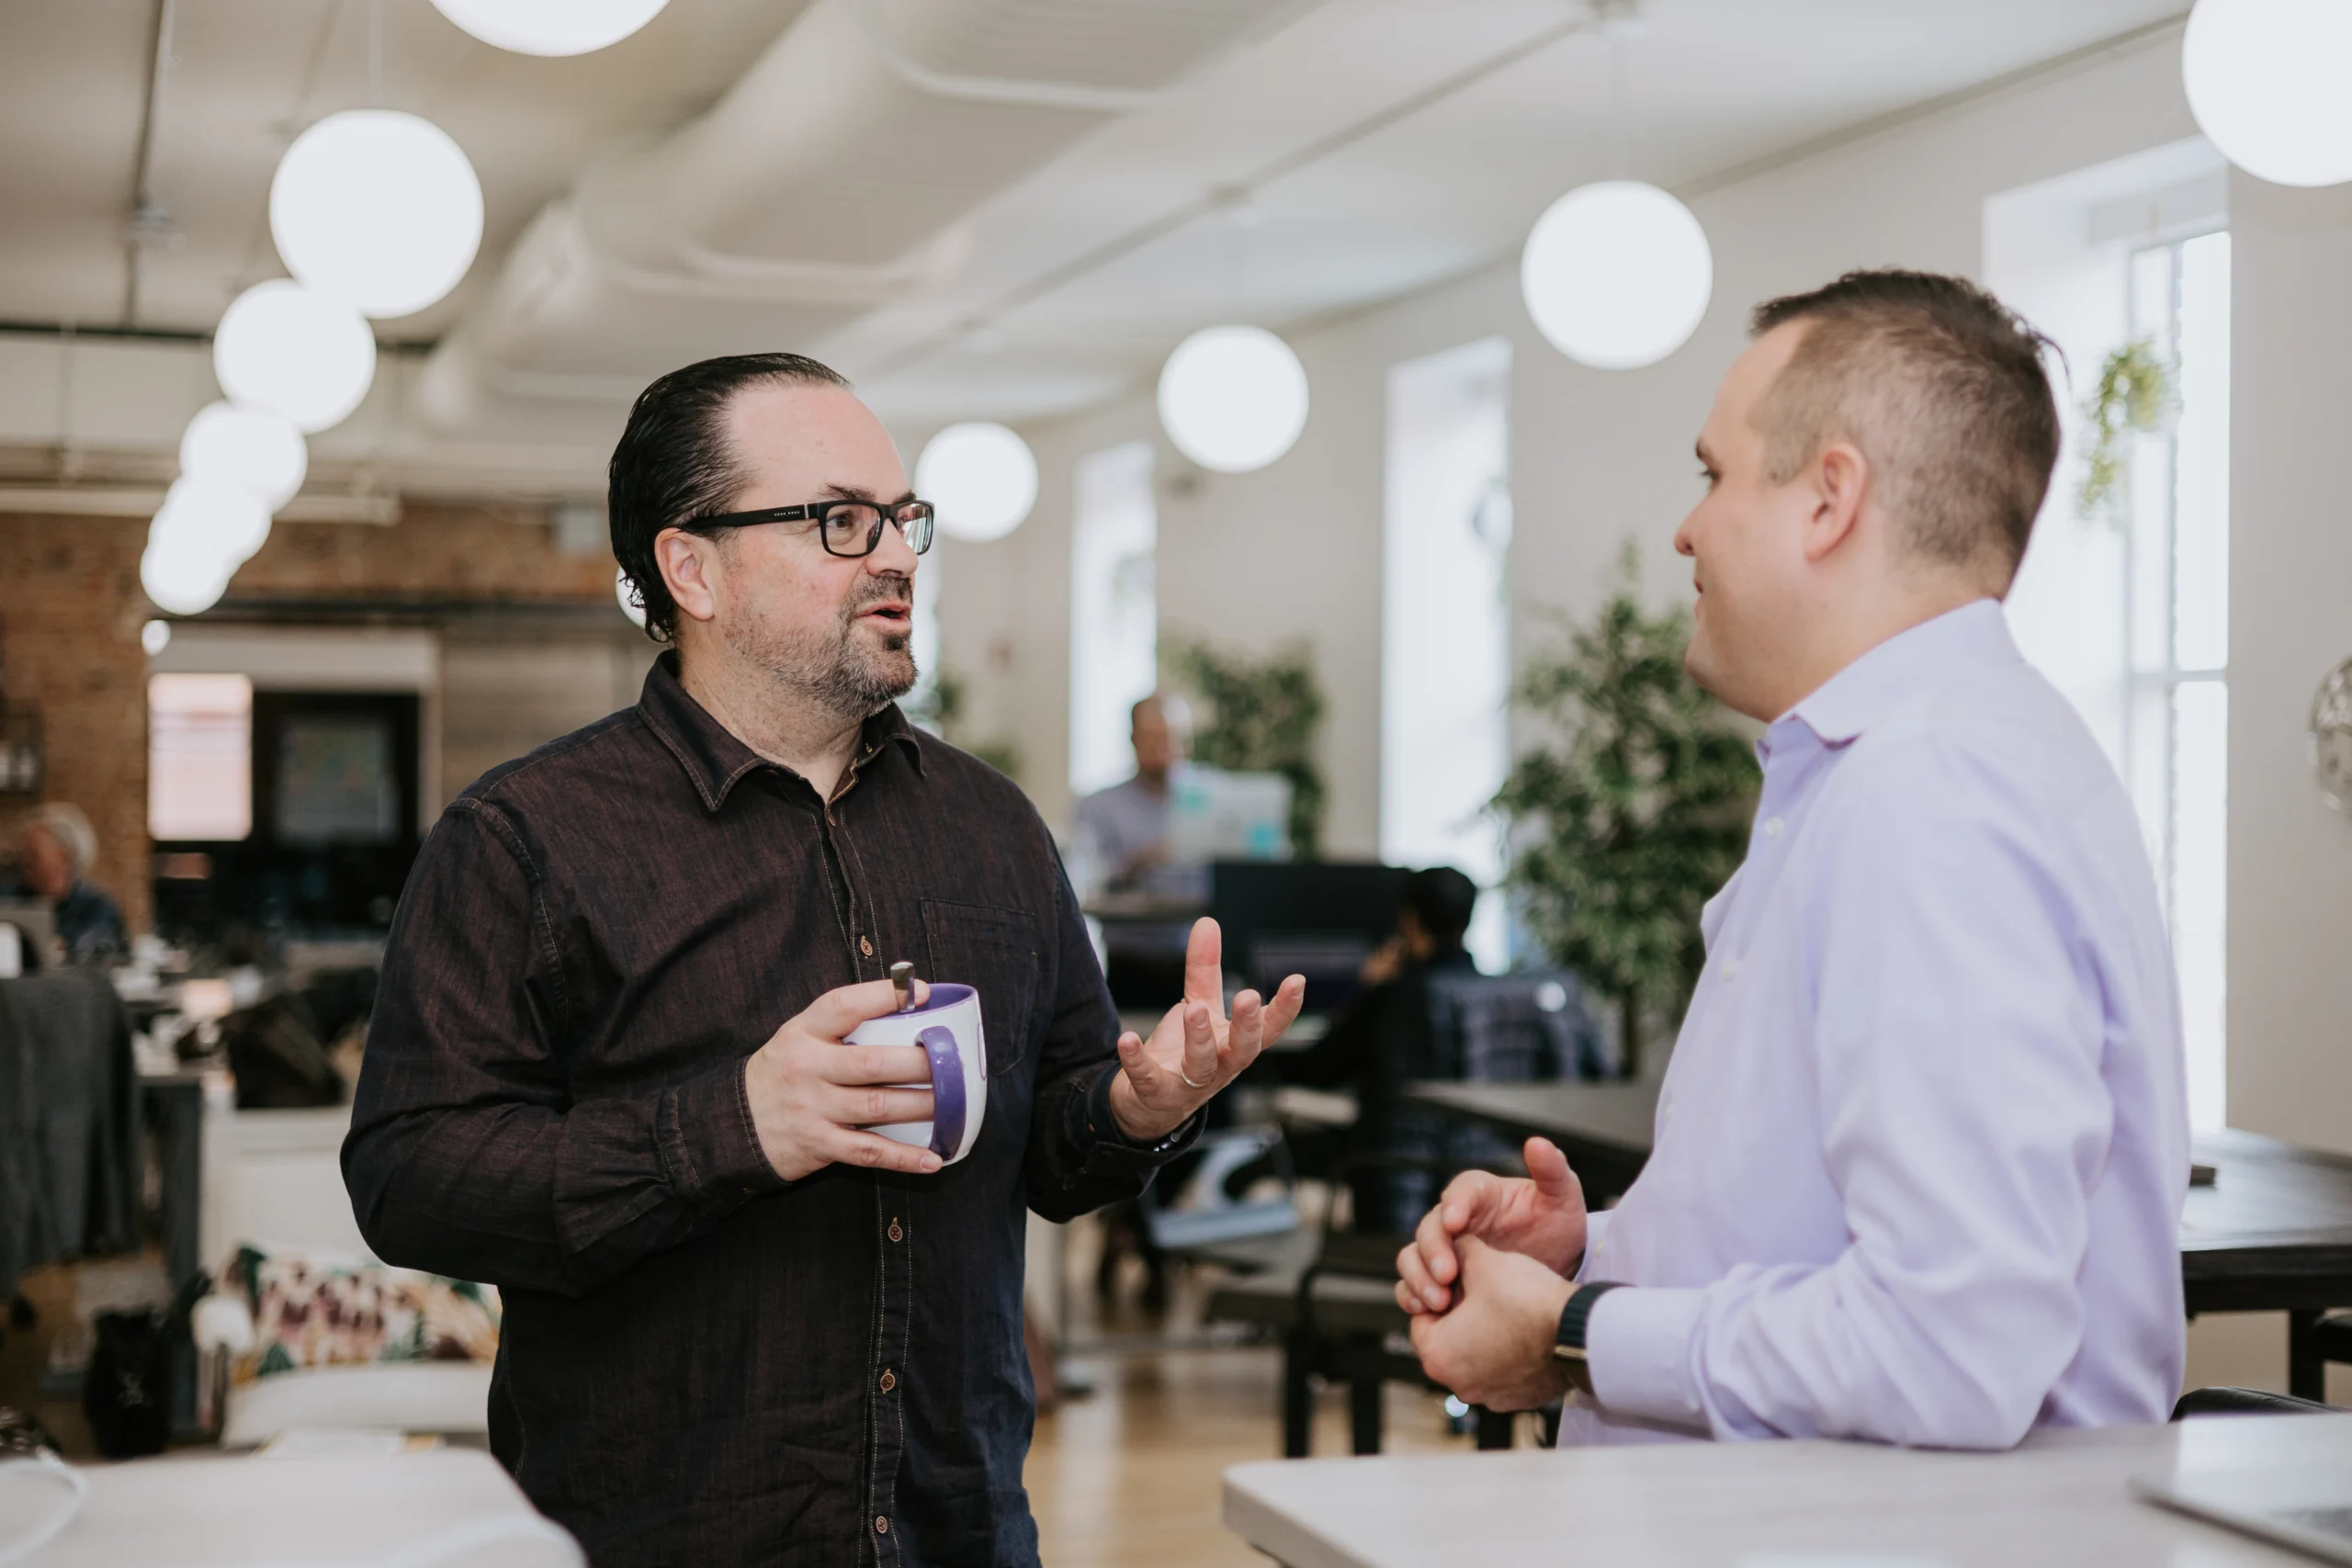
{"x": 1921, "y": 1150}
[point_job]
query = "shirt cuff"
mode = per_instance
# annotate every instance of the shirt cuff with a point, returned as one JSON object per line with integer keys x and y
{"x": 710, "y": 1150}
{"x": 1596, "y": 1228}
{"x": 1638, "y": 1346}
{"x": 1109, "y": 1150}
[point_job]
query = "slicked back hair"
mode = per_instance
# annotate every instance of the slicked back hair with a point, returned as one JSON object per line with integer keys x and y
{"x": 674, "y": 462}
{"x": 1941, "y": 387}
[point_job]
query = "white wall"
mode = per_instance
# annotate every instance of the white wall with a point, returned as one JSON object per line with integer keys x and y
{"x": 1598, "y": 457}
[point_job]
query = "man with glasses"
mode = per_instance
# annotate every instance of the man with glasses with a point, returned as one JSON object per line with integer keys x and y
{"x": 608, "y": 1072}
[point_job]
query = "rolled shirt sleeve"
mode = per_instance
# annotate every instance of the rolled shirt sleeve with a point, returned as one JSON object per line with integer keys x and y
{"x": 1957, "y": 1042}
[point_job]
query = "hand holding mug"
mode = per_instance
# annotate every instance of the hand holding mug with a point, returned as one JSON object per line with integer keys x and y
{"x": 812, "y": 1097}
{"x": 1196, "y": 1051}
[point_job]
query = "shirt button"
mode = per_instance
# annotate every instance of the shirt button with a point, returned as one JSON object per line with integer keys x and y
{"x": 1731, "y": 968}
{"x": 881, "y": 1525}
{"x": 890, "y": 1381}
{"x": 866, "y": 946}
{"x": 896, "y": 1234}
{"x": 1772, "y": 825}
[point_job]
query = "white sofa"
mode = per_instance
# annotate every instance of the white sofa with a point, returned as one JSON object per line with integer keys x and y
{"x": 273, "y": 1178}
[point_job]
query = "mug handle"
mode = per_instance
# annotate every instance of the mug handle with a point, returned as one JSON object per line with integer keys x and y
{"x": 946, "y": 1091}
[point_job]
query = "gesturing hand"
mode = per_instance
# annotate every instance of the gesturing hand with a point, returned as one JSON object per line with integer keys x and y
{"x": 1196, "y": 1052}
{"x": 810, "y": 1094}
{"x": 1541, "y": 1218}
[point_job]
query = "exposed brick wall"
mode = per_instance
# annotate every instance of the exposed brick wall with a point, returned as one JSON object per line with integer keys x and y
{"x": 71, "y": 610}
{"x": 70, "y": 614}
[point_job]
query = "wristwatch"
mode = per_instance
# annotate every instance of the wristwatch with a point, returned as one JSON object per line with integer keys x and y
{"x": 1567, "y": 1345}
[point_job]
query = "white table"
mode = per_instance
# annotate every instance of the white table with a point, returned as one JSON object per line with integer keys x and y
{"x": 315, "y": 1512}
{"x": 2060, "y": 1498}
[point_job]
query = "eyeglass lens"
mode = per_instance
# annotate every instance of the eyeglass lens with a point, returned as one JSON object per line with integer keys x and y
{"x": 854, "y": 528}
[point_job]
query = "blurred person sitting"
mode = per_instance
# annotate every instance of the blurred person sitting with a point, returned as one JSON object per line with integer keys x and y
{"x": 54, "y": 856}
{"x": 1124, "y": 827}
{"x": 1384, "y": 1039}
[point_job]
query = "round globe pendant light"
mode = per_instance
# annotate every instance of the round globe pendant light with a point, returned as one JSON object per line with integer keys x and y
{"x": 625, "y": 592}
{"x": 263, "y": 452}
{"x": 1617, "y": 275}
{"x": 981, "y": 478}
{"x": 2270, "y": 84}
{"x": 179, "y": 569}
{"x": 550, "y": 27}
{"x": 1233, "y": 398}
{"x": 293, "y": 351}
{"x": 214, "y": 518}
{"x": 377, "y": 209}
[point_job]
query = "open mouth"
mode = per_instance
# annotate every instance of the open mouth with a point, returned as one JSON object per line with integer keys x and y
{"x": 894, "y": 614}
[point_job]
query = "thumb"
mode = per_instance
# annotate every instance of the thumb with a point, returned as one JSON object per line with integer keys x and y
{"x": 1549, "y": 1167}
{"x": 1476, "y": 1256}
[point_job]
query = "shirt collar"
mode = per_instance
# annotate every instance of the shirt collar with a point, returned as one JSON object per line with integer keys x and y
{"x": 716, "y": 760}
{"x": 1974, "y": 637}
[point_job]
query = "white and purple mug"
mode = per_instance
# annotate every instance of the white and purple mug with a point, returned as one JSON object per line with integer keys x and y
{"x": 948, "y": 1027}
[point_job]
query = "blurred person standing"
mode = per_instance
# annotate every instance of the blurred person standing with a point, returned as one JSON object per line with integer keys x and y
{"x": 1123, "y": 828}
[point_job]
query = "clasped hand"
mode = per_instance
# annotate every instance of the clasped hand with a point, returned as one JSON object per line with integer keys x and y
{"x": 1486, "y": 1277}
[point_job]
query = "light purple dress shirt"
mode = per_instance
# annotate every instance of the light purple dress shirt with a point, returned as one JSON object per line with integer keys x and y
{"x": 1921, "y": 1150}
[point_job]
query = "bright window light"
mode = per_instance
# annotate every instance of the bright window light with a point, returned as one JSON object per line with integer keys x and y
{"x": 1114, "y": 611}
{"x": 199, "y": 758}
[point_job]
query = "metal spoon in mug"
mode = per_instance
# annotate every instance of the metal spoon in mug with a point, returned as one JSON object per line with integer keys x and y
{"x": 902, "y": 979}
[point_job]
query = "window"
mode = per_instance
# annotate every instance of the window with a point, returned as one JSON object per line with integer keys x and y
{"x": 1114, "y": 611}
{"x": 1445, "y": 621}
{"x": 2176, "y": 547}
{"x": 199, "y": 758}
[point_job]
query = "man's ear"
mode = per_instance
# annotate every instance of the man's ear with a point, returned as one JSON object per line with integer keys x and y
{"x": 691, "y": 570}
{"x": 1841, "y": 477}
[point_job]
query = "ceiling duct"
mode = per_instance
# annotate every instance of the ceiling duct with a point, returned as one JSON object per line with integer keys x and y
{"x": 831, "y": 179}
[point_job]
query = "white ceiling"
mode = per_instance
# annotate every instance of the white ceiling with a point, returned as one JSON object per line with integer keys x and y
{"x": 1366, "y": 180}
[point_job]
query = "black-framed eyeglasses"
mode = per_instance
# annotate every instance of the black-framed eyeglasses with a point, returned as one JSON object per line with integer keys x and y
{"x": 851, "y": 529}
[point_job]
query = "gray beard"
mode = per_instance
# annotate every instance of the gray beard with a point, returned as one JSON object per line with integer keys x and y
{"x": 829, "y": 667}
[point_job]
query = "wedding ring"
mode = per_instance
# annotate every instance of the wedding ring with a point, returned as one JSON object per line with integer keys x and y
{"x": 1190, "y": 1084}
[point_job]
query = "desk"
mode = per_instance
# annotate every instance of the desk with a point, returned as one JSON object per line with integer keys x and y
{"x": 2060, "y": 1498}
{"x": 225, "y": 1513}
{"x": 2272, "y": 1233}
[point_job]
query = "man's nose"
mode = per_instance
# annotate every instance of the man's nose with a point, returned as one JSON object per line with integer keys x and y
{"x": 892, "y": 553}
{"x": 1682, "y": 545}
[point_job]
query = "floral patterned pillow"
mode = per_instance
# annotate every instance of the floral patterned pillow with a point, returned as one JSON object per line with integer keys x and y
{"x": 311, "y": 1310}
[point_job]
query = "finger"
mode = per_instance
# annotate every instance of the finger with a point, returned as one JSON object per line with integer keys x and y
{"x": 837, "y": 1012}
{"x": 1204, "y": 966}
{"x": 1282, "y": 1011}
{"x": 1141, "y": 1069}
{"x": 1245, "y": 1037}
{"x": 1549, "y": 1167}
{"x": 1415, "y": 1288}
{"x": 875, "y": 1107}
{"x": 1435, "y": 1244}
{"x": 874, "y": 1064}
{"x": 1200, "y": 1045}
{"x": 876, "y": 1151}
{"x": 1467, "y": 1199}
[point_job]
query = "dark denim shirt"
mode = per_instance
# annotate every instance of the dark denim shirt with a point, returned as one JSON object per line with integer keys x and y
{"x": 701, "y": 1362}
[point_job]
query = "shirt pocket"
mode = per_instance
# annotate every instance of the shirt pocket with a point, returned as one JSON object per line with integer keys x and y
{"x": 994, "y": 950}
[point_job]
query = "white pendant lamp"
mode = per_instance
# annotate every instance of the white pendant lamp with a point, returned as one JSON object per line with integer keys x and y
{"x": 261, "y": 451}
{"x": 213, "y": 517}
{"x": 981, "y": 478}
{"x": 377, "y": 209}
{"x": 1233, "y": 398}
{"x": 1617, "y": 275}
{"x": 294, "y": 352}
{"x": 2270, "y": 84}
{"x": 550, "y": 27}
{"x": 180, "y": 573}
{"x": 625, "y": 592}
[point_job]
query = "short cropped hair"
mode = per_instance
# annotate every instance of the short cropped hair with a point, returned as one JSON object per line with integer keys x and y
{"x": 1442, "y": 900}
{"x": 1941, "y": 386}
{"x": 673, "y": 463}
{"x": 70, "y": 830}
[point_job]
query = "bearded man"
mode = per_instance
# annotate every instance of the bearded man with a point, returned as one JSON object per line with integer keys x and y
{"x": 608, "y": 1072}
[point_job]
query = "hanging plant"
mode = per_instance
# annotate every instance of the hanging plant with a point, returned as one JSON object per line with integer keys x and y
{"x": 2135, "y": 396}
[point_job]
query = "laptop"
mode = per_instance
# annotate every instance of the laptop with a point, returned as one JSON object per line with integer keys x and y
{"x": 2306, "y": 1508}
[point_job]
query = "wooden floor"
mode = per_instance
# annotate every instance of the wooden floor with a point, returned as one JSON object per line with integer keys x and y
{"x": 1128, "y": 1477}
